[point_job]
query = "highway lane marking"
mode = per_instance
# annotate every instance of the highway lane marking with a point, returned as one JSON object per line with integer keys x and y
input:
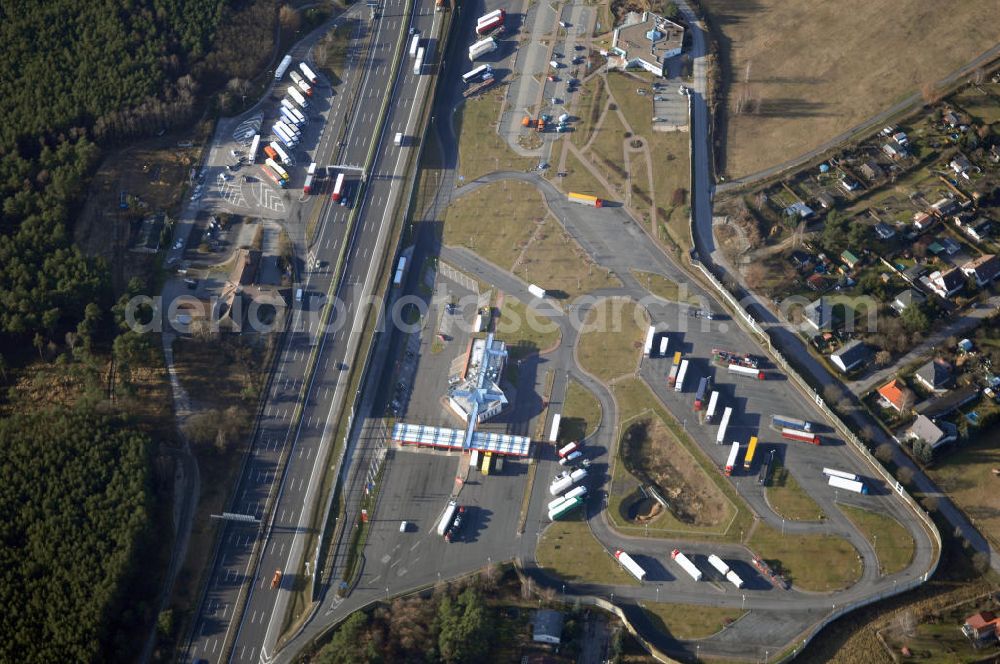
{"x": 414, "y": 546}
{"x": 376, "y": 578}
{"x": 215, "y": 643}
{"x": 281, "y": 599}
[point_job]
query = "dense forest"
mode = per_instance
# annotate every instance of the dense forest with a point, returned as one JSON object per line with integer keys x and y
{"x": 80, "y": 79}
{"x": 446, "y": 628}
{"x": 79, "y": 74}
{"x": 75, "y": 498}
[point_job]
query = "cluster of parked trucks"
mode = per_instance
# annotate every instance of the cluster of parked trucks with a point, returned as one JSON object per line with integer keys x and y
{"x": 287, "y": 129}
{"x": 489, "y": 26}
{"x": 566, "y": 485}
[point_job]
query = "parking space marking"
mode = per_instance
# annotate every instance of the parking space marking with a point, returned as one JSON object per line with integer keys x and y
{"x": 266, "y": 197}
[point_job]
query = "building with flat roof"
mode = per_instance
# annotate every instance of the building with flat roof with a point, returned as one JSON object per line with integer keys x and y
{"x": 647, "y": 41}
{"x": 479, "y": 396}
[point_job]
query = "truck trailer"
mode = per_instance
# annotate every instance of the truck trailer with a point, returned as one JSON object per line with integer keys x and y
{"x": 282, "y": 173}
{"x": 681, "y": 375}
{"x": 308, "y": 73}
{"x": 734, "y": 455}
{"x": 648, "y": 346}
{"x": 674, "y": 368}
{"x": 254, "y": 147}
{"x": 840, "y": 473}
{"x": 686, "y": 564}
{"x": 629, "y": 564}
{"x": 282, "y": 67}
{"x": 750, "y": 372}
{"x": 297, "y": 96}
{"x": 563, "y": 482}
{"x": 564, "y": 508}
{"x": 338, "y": 188}
{"x": 734, "y": 579}
{"x": 751, "y": 450}
{"x": 719, "y": 564}
{"x": 566, "y": 450}
{"x": 305, "y": 87}
{"x": 849, "y": 485}
{"x": 795, "y": 434}
{"x": 723, "y": 424}
{"x": 554, "y": 429}
{"x": 664, "y": 342}
{"x": 418, "y": 63}
{"x": 489, "y": 25}
{"x": 489, "y": 15}
{"x": 704, "y": 385}
{"x": 713, "y": 402}
{"x": 785, "y": 422}
{"x": 584, "y": 199}
{"x": 482, "y": 47}
{"x": 449, "y": 513}
{"x": 282, "y": 155}
{"x": 414, "y": 45}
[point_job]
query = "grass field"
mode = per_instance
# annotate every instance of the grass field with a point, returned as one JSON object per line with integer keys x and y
{"x": 606, "y": 152}
{"x": 580, "y": 180}
{"x": 660, "y": 286}
{"x": 523, "y": 330}
{"x": 966, "y": 476}
{"x": 818, "y": 563}
{"x": 556, "y": 262}
{"x": 611, "y": 340}
{"x": 591, "y": 100}
{"x": 789, "y": 499}
{"x": 670, "y": 156}
{"x": 480, "y": 148}
{"x": 581, "y": 413}
{"x": 635, "y": 401}
{"x": 569, "y": 549}
{"x": 818, "y": 69}
{"x": 496, "y": 221}
{"x": 690, "y": 621}
{"x": 671, "y": 173}
{"x": 892, "y": 542}
{"x": 637, "y": 109}
{"x": 982, "y": 106}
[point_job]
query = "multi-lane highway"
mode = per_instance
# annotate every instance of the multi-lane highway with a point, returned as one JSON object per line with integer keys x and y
{"x": 303, "y": 442}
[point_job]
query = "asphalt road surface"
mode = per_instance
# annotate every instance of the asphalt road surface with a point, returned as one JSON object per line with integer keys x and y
{"x": 295, "y": 492}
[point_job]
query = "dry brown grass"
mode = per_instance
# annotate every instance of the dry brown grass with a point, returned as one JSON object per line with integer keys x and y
{"x": 966, "y": 476}
{"x": 610, "y": 342}
{"x": 495, "y": 221}
{"x": 557, "y": 263}
{"x": 820, "y": 68}
{"x": 480, "y": 148}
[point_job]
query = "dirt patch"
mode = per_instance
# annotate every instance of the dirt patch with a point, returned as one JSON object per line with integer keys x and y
{"x": 135, "y": 184}
{"x": 673, "y": 473}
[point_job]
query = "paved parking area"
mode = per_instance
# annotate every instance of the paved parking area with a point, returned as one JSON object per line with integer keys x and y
{"x": 670, "y": 107}
{"x": 429, "y": 362}
{"x": 416, "y": 488}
